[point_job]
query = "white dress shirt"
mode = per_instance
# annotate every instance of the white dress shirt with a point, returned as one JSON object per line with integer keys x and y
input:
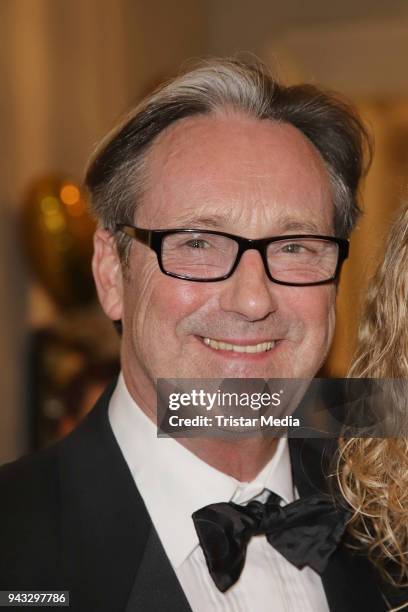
{"x": 173, "y": 483}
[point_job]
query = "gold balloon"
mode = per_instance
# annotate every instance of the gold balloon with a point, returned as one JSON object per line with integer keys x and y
{"x": 57, "y": 236}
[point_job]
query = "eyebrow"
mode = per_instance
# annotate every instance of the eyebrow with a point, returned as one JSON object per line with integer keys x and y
{"x": 214, "y": 221}
{"x": 289, "y": 224}
{"x": 218, "y": 221}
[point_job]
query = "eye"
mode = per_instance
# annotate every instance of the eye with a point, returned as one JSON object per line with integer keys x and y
{"x": 197, "y": 243}
{"x": 293, "y": 248}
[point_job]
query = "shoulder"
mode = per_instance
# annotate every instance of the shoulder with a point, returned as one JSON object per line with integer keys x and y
{"x": 29, "y": 494}
{"x": 30, "y": 485}
{"x": 21, "y": 478}
{"x": 32, "y": 503}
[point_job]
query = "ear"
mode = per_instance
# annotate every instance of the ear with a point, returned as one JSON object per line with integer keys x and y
{"x": 107, "y": 271}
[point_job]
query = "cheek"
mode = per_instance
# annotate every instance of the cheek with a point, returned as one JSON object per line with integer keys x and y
{"x": 321, "y": 312}
{"x": 315, "y": 316}
{"x": 315, "y": 307}
{"x": 160, "y": 306}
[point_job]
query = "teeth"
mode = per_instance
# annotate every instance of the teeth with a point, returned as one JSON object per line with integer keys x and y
{"x": 237, "y": 348}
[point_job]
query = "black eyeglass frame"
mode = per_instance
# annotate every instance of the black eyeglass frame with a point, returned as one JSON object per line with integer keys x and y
{"x": 154, "y": 239}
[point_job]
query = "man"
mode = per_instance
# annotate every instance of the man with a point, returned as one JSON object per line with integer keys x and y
{"x": 229, "y": 153}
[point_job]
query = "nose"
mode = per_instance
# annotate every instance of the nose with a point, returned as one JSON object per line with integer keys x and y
{"x": 249, "y": 292}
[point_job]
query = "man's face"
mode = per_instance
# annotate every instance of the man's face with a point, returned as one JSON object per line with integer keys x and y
{"x": 247, "y": 177}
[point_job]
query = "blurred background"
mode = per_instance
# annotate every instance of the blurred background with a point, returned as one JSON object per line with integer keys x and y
{"x": 68, "y": 70}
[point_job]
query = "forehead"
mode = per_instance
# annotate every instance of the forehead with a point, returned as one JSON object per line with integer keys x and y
{"x": 235, "y": 173}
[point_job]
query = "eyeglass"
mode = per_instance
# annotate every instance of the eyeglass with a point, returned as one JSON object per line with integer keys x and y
{"x": 209, "y": 256}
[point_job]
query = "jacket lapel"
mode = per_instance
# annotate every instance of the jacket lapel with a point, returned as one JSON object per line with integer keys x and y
{"x": 156, "y": 586}
{"x": 349, "y": 581}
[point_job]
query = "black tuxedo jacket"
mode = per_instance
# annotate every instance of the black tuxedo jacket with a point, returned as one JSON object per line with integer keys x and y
{"x": 71, "y": 518}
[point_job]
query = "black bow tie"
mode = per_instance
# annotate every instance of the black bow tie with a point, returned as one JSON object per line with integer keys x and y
{"x": 305, "y": 532}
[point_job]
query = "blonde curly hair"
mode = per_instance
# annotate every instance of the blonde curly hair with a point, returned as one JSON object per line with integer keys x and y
{"x": 373, "y": 472}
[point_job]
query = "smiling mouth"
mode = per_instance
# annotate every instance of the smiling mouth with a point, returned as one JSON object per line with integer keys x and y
{"x": 218, "y": 345}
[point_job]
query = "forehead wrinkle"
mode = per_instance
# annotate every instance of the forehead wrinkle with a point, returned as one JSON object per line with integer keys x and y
{"x": 234, "y": 217}
{"x": 226, "y": 200}
{"x": 205, "y": 217}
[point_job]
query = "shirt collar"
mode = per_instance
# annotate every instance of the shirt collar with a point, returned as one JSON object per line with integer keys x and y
{"x": 174, "y": 482}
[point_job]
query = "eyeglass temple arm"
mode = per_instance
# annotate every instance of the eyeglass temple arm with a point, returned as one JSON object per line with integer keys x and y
{"x": 142, "y": 235}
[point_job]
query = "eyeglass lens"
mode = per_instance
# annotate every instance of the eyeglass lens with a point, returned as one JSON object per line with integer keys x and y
{"x": 202, "y": 255}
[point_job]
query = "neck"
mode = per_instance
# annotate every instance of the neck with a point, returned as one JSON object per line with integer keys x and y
{"x": 242, "y": 459}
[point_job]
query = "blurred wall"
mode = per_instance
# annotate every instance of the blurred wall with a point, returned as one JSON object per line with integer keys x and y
{"x": 255, "y": 26}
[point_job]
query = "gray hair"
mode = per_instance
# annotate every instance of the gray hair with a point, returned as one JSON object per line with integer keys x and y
{"x": 116, "y": 173}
